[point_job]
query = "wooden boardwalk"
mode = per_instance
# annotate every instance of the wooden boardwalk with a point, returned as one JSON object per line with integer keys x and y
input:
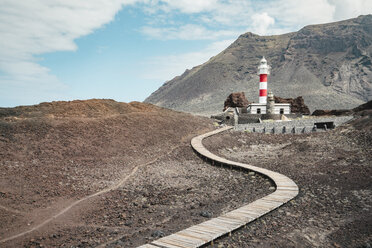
{"x": 206, "y": 232}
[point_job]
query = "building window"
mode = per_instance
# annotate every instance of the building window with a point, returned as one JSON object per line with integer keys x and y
{"x": 282, "y": 111}
{"x": 258, "y": 111}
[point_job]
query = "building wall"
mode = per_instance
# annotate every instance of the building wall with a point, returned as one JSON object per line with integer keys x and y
{"x": 286, "y": 109}
{"x": 254, "y": 109}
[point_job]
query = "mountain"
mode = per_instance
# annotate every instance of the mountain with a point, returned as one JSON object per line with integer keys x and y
{"x": 328, "y": 64}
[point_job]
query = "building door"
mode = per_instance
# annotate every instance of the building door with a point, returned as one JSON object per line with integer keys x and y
{"x": 282, "y": 111}
{"x": 258, "y": 111}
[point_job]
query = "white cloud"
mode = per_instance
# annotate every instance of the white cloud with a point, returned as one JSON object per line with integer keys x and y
{"x": 294, "y": 14}
{"x": 261, "y": 23}
{"x": 345, "y": 9}
{"x": 261, "y": 17}
{"x": 187, "y": 6}
{"x": 187, "y": 32}
{"x": 34, "y": 27}
{"x": 163, "y": 68}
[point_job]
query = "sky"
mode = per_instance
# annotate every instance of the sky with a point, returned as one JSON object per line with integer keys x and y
{"x": 125, "y": 49}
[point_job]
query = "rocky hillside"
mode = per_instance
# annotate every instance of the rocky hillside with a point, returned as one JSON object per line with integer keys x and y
{"x": 329, "y": 65}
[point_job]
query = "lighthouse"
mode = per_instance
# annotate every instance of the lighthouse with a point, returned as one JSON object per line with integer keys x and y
{"x": 263, "y": 71}
{"x": 262, "y": 107}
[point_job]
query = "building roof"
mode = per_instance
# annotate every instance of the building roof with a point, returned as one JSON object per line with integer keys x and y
{"x": 264, "y": 104}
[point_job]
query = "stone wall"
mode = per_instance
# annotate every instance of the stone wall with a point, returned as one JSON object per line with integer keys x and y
{"x": 304, "y": 125}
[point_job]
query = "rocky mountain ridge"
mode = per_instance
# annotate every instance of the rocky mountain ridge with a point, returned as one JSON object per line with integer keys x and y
{"x": 328, "y": 64}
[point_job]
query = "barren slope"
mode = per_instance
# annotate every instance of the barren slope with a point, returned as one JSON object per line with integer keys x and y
{"x": 329, "y": 65}
{"x": 127, "y": 171}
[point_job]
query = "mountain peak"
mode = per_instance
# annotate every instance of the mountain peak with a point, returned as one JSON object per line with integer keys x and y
{"x": 328, "y": 64}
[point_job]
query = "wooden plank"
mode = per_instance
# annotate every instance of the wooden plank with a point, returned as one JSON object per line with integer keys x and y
{"x": 168, "y": 243}
{"x": 231, "y": 221}
{"x": 148, "y": 246}
{"x": 247, "y": 217}
{"x": 190, "y": 234}
{"x": 182, "y": 241}
{"x": 203, "y": 231}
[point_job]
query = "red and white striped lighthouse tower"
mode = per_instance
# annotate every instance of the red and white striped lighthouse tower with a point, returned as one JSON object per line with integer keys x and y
{"x": 263, "y": 70}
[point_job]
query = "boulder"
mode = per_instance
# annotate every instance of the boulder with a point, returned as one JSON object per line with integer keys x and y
{"x": 236, "y": 99}
{"x": 297, "y": 104}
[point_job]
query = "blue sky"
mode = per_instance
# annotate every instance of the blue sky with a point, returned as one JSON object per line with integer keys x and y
{"x": 126, "y": 49}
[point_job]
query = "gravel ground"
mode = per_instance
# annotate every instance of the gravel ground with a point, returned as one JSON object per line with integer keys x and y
{"x": 55, "y": 154}
{"x": 333, "y": 172}
{"x": 161, "y": 198}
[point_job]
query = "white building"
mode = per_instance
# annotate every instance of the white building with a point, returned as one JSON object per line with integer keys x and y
{"x": 260, "y": 108}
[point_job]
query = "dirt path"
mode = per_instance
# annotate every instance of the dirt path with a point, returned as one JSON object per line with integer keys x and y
{"x": 66, "y": 209}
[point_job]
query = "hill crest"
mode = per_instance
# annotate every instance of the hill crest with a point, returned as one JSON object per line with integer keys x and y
{"x": 78, "y": 108}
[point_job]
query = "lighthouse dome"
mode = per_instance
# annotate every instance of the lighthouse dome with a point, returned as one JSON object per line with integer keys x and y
{"x": 263, "y": 68}
{"x": 263, "y": 61}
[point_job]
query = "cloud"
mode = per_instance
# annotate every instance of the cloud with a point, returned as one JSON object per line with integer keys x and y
{"x": 162, "y": 68}
{"x": 261, "y": 23}
{"x": 187, "y": 6}
{"x": 187, "y": 32}
{"x": 30, "y": 28}
{"x": 261, "y": 17}
{"x": 345, "y": 9}
{"x": 292, "y": 14}
{"x": 214, "y": 12}
{"x": 296, "y": 14}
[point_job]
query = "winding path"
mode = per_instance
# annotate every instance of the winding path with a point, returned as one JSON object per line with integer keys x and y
{"x": 206, "y": 232}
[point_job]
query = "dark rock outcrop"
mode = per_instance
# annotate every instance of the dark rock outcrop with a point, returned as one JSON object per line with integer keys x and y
{"x": 237, "y": 99}
{"x": 336, "y": 112}
{"x": 366, "y": 106}
{"x": 297, "y": 104}
{"x": 364, "y": 109}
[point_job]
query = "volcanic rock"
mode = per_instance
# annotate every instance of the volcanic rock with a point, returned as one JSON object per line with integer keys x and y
{"x": 206, "y": 214}
{"x": 236, "y": 99}
{"x": 366, "y": 106}
{"x": 360, "y": 110}
{"x": 297, "y": 104}
{"x": 158, "y": 234}
{"x": 337, "y": 112}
